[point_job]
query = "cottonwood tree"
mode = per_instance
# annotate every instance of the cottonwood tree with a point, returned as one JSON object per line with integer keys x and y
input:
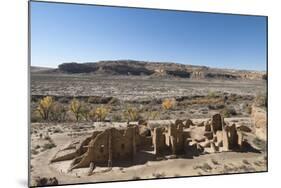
{"x": 76, "y": 108}
{"x": 44, "y": 107}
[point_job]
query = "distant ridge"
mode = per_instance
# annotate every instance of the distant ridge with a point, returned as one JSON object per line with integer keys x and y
{"x": 157, "y": 69}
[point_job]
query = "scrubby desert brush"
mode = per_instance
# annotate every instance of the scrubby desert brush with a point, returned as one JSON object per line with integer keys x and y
{"x": 117, "y": 117}
{"x": 168, "y": 104}
{"x": 132, "y": 114}
{"x": 92, "y": 115}
{"x": 92, "y": 100}
{"x": 228, "y": 112}
{"x": 76, "y": 108}
{"x": 261, "y": 100}
{"x": 212, "y": 94}
{"x": 44, "y": 107}
{"x": 58, "y": 112}
{"x": 48, "y": 146}
{"x": 102, "y": 112}
{"x": 85, "y": 111}
{"x": 152, "y": 115}
{"x": 36, "y": 116}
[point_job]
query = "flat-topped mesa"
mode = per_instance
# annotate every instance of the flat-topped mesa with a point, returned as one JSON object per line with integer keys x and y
{"x": 112, "y": 145}
{"x": 146, "y": 68}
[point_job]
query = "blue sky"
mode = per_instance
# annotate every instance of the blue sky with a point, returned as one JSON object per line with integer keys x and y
{"x": 80, "y": 33}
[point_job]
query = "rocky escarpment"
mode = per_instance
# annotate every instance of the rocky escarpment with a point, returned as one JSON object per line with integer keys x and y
{"x": 139, "y": 68}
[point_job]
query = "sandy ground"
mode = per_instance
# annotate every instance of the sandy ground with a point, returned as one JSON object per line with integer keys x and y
{"x": 134, "y": 87}
{"x": 206, "y": 164}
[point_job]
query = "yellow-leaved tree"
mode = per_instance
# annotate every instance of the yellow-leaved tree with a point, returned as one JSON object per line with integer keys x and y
{"x": 76, "y": 108}
{"x": 101, "y": 113}
{"x": 44, "y": 107}
{"x": 168, "y": 104}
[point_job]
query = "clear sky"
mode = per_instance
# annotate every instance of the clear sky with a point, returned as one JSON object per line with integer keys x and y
{"x": 81, "y": 33}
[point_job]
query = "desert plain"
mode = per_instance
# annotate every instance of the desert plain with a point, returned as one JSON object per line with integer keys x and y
{"x": 68, "y": 105}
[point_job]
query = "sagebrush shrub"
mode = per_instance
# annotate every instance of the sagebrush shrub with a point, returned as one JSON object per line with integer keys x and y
{"x": 132, "y": 114}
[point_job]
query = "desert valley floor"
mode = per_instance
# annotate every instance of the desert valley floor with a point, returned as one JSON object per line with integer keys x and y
{"x": 196, "y": 100}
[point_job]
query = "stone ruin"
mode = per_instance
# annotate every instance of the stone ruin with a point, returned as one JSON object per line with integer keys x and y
{"x": 178, "y": 138}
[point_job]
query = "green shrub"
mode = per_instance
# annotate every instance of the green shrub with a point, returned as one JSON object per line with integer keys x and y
{"x": 211, "y": 94}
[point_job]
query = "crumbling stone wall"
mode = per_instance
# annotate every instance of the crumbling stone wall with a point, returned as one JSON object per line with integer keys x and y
{"x": 170, "y": 139}
{"x": 159, "y": 141}
{"x": 116, "y": 145}
{"x": 108, "y": 146}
